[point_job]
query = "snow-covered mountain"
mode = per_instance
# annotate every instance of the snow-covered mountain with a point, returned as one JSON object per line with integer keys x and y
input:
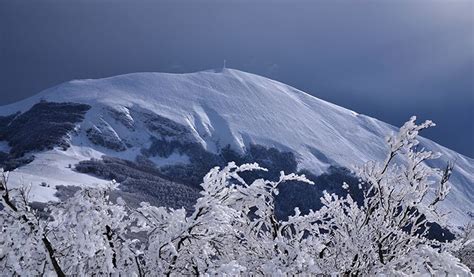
{"x": 153, "y": 116}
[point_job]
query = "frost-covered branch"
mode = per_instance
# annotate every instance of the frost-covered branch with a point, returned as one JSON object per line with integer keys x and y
{"x": 25, "y": 234}
{"x": 233, "y": 228}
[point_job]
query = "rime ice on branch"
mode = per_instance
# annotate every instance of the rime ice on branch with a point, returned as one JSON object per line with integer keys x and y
{"x": 233, "y": 228}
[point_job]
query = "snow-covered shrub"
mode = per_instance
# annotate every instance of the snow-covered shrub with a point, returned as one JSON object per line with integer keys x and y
{"x": 233, "y": 228}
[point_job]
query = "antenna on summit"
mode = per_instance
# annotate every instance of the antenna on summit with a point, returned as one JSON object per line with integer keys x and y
{"x": 223, "y": 66}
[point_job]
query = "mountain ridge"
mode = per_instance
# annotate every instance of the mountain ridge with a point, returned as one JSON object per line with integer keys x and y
{"x": 232, "y": 108}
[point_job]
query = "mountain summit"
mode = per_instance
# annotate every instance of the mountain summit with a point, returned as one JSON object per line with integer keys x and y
{"x": 158, "y": 117}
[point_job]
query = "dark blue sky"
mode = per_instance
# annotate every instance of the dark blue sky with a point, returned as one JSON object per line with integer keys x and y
{"x": 386, "y": 59}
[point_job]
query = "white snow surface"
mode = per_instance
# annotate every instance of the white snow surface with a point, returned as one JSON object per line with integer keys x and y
{"x": 237, "y": 108}
{"x": 174, "y": 158}
{"x": 52, "y": 168}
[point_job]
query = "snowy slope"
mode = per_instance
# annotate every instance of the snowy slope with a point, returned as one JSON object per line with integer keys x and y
{"x": 52, "y": 168}
{"x": 236, "y": 108}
